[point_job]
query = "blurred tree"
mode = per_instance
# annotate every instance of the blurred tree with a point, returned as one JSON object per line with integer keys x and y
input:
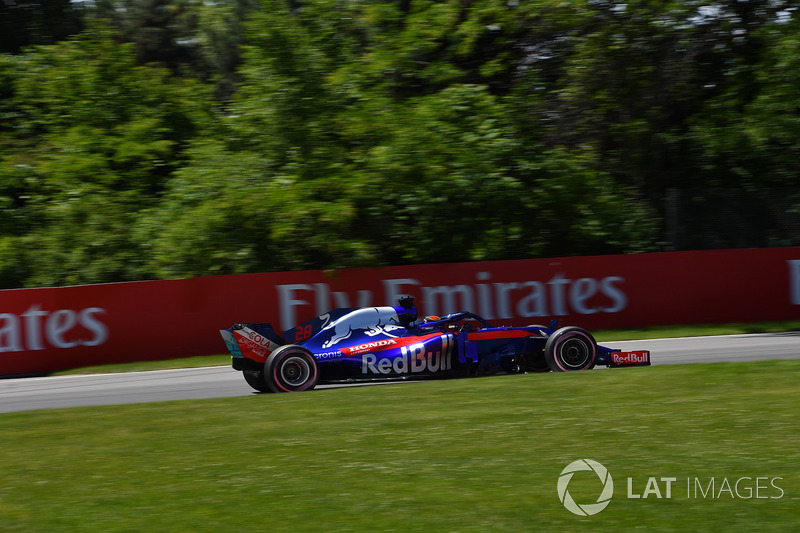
{"x": 748, "y": 134}
{"x": 26, "y": 22}
{"x": 161, "y": 31}
{"x": 381, "y": 132}
{"x": 192, "y": 38}
{"x": 279, "y": 167}
{"x": 356, "y": 140}
{"x": 437, "y": 183}
{"x": 220, "y": 37}
{"x": 774, "y": 111}
{"x": 95, "y": 139}
{"x": 632, "y": 79}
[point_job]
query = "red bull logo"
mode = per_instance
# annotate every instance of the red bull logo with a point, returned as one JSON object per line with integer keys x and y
{"x": 413, "y": 359}
{"x": 630, "y": 358}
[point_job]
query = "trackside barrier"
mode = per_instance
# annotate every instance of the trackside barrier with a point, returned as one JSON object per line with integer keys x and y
{"x": 47, "y": 329}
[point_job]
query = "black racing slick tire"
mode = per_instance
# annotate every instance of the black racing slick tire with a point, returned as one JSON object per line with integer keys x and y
{"x": 570, "y": 349}
{"x": 291, "y": 368}
{"x": 255, "y": 378}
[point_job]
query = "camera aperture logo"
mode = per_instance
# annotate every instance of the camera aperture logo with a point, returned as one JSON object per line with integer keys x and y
{"x": 586, "y": 509}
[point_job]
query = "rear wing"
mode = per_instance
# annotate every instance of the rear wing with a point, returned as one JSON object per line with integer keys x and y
{"x": 255, "y": 341}
{"x": 252, "y": 341}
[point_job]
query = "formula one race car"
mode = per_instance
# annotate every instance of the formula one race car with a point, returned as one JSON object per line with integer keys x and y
{"x": 384, "y": 343}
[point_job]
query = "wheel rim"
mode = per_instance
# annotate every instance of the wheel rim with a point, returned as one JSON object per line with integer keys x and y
{"x": 574, "y": 353}
{"x": 295, "y": 371}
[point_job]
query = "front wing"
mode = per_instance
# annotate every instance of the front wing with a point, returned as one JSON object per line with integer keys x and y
{"x": 617, "y": 358}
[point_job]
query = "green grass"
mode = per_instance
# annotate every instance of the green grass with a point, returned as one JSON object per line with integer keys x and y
{"x": 139, "y": 366}
{"x": 601, "y": 336}
{"x": 660, "y": 332}
{"x": 469, "y": 455}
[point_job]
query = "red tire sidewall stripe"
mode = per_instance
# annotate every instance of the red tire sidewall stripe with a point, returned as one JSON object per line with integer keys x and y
{"x": 569, "y": 335}
{"x": 312, "y": 378}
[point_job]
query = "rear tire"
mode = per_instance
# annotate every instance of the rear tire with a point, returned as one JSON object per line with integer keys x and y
{"x": 570, "y": 349}
{"x": 291, "y": 368}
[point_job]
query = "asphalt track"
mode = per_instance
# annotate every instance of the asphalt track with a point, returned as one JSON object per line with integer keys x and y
{"x": 220, "y": 382}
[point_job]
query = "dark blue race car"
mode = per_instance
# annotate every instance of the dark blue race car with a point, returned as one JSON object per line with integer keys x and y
{"x": 384, "y": 343}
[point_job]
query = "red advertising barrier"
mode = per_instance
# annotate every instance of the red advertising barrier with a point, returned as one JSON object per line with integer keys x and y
{"x": 42, "y": 330}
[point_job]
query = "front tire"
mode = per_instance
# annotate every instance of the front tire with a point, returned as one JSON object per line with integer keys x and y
{"x": 570, "y": 349}
{"x": 291, "y": 368}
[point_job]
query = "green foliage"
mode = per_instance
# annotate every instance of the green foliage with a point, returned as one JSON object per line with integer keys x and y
{"x": 160, "y": 31}
{"x": 30, "y": 22}
{"x": 330, "y": 134}
{"x": 447, "y": 191}
{"x": 749, "y": 135}
{"x": 95, "y": 139}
